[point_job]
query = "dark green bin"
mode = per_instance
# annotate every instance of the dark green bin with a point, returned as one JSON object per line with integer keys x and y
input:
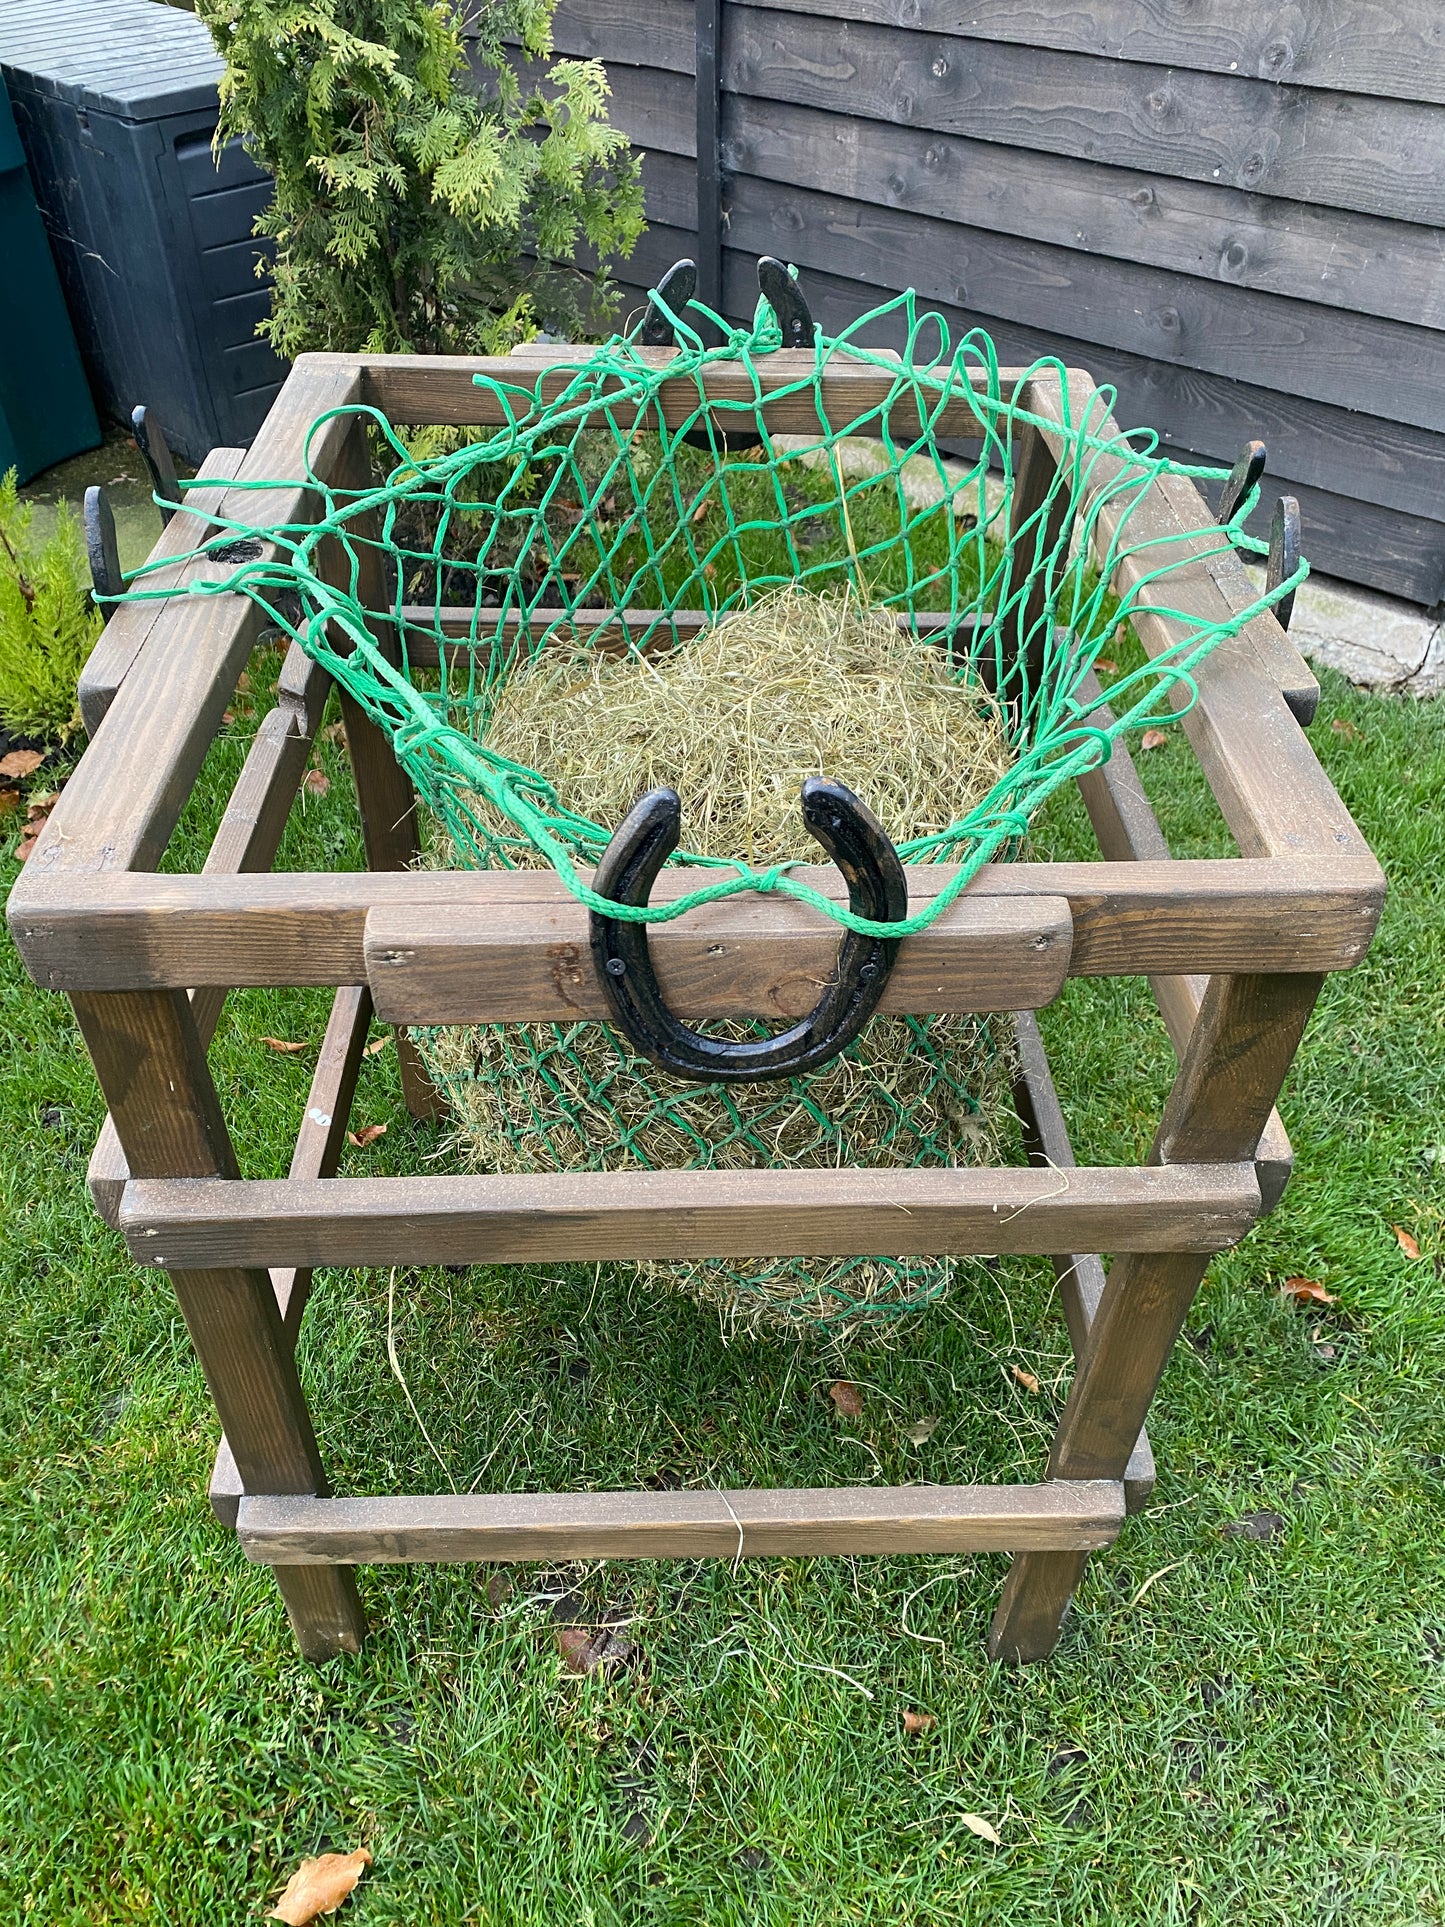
{"x": 45, "y": 408}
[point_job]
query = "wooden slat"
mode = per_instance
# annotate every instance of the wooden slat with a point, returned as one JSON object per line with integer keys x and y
{"x": 1393, "y": 47}
{"x": 119, "y": 808}
{"x": 1360, "y": 263}
{"x": 1269, "y": 786}
{"x": 318, "y": 1149}
{"x": 128, "y": 625}
{"x": 1292, "y": 914}
{"x": 1080, "y": 1274}
{"x": 152, "y": 1068}
{"x": 1314, "y": 447}
{"x": 1241, "y": 1047}
{"x": 1361, "y": 361}
{"x": 246, "y": 841}
{"x": 680, "y": 1525}
{"x": 1126, "y": 826}
{"x": 518, "y": 964}
{"x": 600, "y": 1215}
{"x": 441, "y": 388}
{"x": 1377, "y": 156}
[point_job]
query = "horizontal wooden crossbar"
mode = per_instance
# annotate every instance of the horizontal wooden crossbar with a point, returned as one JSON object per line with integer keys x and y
{"x": 521, "y": 963}
{"x": 196, "y": 1224}
{"x": 440, "y": 388}
{"x": 114, "y": 931}
{"x": 1074, "y": 1515}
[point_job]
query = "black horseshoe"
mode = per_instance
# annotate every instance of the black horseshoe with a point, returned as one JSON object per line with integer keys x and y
{"x": 877, "y": 889}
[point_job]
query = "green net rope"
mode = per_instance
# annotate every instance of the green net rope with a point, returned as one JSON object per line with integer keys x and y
{"x": 423, "y": 593}
{"x": 590, "y": 499}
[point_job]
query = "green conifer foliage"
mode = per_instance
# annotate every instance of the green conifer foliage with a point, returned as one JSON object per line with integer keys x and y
{"x": 48, "y": 623}
{"x": 413, "y": 212}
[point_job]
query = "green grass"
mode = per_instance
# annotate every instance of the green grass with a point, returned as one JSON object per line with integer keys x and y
{"x": 1231, "y": 1731}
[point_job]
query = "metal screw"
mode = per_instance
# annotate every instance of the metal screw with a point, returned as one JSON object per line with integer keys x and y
{"x": 616, "y": 967}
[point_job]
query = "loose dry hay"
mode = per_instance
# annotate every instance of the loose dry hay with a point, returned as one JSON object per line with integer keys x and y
{"x": 795, "y": 685}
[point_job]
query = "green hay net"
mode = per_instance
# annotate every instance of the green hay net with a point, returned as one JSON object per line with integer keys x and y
{"x": 597, "y": 501}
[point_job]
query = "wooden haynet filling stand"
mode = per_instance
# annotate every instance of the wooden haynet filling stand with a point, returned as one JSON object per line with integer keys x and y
{"x": 1235, "y": 952}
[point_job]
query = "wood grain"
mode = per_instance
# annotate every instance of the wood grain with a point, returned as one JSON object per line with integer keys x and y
{"x": 680, "y": 1525}
{"x": 177, "y": 1224}
{"x": 1393, "y": 47}
{"x": 1360, "y": 263}
{"x": 1079, "y": 1274}
{"x": 1374, "y": 155}
{"x": 245, "y": 842}
{"x": 118, "y": 810}
{"x": 1125, "y": 825}
{"x": 429, "y": 388}
{"x": 128, "y": 625}
{"x": 1380, "y": 367}
{"x": 152, "y": 1069}
{"x": 117, "y": 932}
{"x": 1270, "y": 789}
{"x": 525, "y": 964}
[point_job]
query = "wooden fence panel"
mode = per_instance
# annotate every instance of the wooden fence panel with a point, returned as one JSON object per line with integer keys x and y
{"x": 1127, "y": 185}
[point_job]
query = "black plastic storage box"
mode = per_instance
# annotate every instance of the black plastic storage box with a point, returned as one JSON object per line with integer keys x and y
{"x": 116, "y": 103}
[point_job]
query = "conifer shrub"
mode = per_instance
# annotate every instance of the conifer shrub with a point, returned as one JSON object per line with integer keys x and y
{"x": 48, "y": 622}
{"x": 414, "y": 209}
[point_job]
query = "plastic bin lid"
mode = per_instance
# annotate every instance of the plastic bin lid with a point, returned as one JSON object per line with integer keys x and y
{"x": 135, "y": 59}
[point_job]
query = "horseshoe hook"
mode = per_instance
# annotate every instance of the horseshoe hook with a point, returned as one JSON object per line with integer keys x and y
{"x": 877, "y": 889}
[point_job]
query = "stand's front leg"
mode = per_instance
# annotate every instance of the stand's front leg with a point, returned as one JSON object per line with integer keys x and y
{"x": 153, "y": 1071}
{"x": 1243, "y": 1043}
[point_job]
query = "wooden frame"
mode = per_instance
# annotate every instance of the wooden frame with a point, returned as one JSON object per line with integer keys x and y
{"x": 1235, "y": 951}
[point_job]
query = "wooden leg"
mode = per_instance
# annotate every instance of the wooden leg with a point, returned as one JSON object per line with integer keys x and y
{"x": 1242, "y": 1044}
{"x": 152, "y": 1068}
{"x": 1035, "y": 1599}
{"x": 1035, "y": 474}
{"x": 383, "y": 788}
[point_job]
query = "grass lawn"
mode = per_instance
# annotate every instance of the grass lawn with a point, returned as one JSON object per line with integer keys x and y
{"x": 1234, "y": 1729}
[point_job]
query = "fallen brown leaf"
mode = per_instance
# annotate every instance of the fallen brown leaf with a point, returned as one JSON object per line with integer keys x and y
{"x": 9, "y": 802}
{"x": 922, "y": 1432}
{"x": 21, "y": 762}
{"x": 228, "y": 716}
{"x": 1026, "y": 1379}
{"x": 334, "y": 733}
{"x": 282, "y": 1044}
{"x": 376, "y": 1045}
{"x": 1263, "y": 1526}
{"x": 847, "y": 1399}
{"x": 917, "y": 1722}
{"x": 1109, "y": 667}
{"x": 368, "y": 1134}
{"x": 976, "y": 1823}
{"x": 1154, "y": 739}
{"x": 1342, "y": 726}
{"x": 316, "y": 782}
{"x": 36, "y": 817}
{"x": 1408, "y": 1244}
{"x": 499, "y": 1588}
{"x": 585, "y": 1648}
{"x": 319, "y": 1886}
{"x": 1306, "y": 1291}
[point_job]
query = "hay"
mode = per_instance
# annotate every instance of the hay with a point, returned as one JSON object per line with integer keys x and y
{"x": 794, "y": 685}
